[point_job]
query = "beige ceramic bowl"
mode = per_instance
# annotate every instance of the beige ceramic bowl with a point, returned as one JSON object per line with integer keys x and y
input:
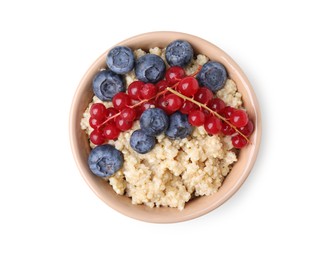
{"x": 198, "y": 206}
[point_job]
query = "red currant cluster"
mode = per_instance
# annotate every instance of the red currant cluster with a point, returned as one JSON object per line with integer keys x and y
{"x": 127, "y": 107}
{"x": 177, "y": 92}
{"x": 205, "y": 109}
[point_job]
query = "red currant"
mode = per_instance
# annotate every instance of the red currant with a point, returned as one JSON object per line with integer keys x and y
{"x": 212, "y": 125}
{"x": 144, "y": 106}
{"x": 196, "y": 118}
{"x": 94, "y": 122}
{"x": 188, "y": 86}
{"x": 239, "y": 118}
{"x": 206, "y": 112}
{"x": 227, "y": 129}
{"x": 97, "y": 137}
{"x": 148, "y": 91}
{"x": 216, "y": 104}
{"x": 173, "y": 102}
{"x": 203, "y": 95}
{"x": 123, "y": 124}
{"x": 227, "y": 112}
{"x": 121, "y": 100}
{"x": 187, "y": 107}
{"x": 98, "y": 111}
{"x": 174, "y": 74}
{"x": 128, "y": 114}
{"x": 138, "y": 112}
{"x": 111, "y": 112}
{"x": 134, "y": 90}
{"x": 161, "y": 103}
{"x": 111, "y": 132}
{"x": 162, "y": 85}
{"x": 248, "y": 129}
{"x": 238, "y": 141}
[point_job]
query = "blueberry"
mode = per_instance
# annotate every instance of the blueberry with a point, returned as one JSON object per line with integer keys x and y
{"x": 154, "y": 121}
{"x": 120, "y": 60}
{"x": 150, "y": 68}
{"x": 141, "y": 142}
{"x": 106, "y": 84}
{"x": 179, "y": 53}
{"x": 105, "y": 160}
{"x": 212, "y": 75}
{"x": 179, "y": 126}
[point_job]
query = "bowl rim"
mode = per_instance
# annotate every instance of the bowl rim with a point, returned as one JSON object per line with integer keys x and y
{"x": 229, "y": 193}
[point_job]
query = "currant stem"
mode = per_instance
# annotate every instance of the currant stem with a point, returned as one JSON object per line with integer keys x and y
{"x": 196, "y": 72}
{"x": 138, "y": 104}
{"x": 209, "y": 109}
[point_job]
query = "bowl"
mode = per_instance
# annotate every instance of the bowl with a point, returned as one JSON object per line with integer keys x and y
{"x": 196, "y": 207}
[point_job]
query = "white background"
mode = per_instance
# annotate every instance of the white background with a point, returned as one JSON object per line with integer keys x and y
{"x": 48, "y": 211}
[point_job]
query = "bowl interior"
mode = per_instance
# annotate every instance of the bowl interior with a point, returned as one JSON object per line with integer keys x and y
{"x": 198, "y": 206}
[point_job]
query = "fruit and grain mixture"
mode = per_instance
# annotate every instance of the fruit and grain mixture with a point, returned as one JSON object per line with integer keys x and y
{"x": 165, "y": 125}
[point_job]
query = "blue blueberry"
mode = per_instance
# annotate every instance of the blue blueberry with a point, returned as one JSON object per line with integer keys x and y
{"x": 150, "y": 68}
{"x": 120, "y": 59}
{"x": 212, "y": 75}
{"x": 179, "y": 126}
{"x": 141, "y": 142}
{"x": 154, "y": 121}
{"x": 105, "y": 160}
{"x": 179, "y": 53}
{"x": 106, "y": 84}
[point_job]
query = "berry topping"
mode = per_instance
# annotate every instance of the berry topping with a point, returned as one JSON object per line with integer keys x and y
{"x": 238, "y": 141}
{"x": 203, "y": 95}
{"x": 122, "y": 124}
{"x": 212, "y": 75}
{"x": 105, "y": 160}
{"x": 188, "y": 100}
{"x": 121, "y": 100}
{"x": 111, "y": 112}
{"x": 196, "y": 118}
{"x": 216, "y": 104}
{"x": 212, "y": 125}
{"x": 174, "y": 74}
{"x": 139, "y": 112}
{"x": 128, "y": 114}
{"x": 146, "y": 105}
{"x": 239, "y": 118}
{"x": 188, "y": 86}
{"x": 187, "y": 107}
{"x": 141, "y": 142}
{"x": 179, "y": 53}
{"x": 150, "y": 68}
{"x": 134, "y": 90}
{"x": 248, "y": 129}
{"x": 227, "y": 112}
{"x": 98, "y": 111}
{"x": 227, "y": 129}
{"x": 106, "y": 84}
{"x": 148, "y": 91}
{"x": 179, "y": 126}
{"x": 162, "y": 104}
{"x": 93, "y": 122}
{"x": 120, "y": 59}
{"x": 111, "y": 132}
{"x": 173, "y": 102}
{"x": 96, "y": 137}
{"x": 162, "y": 85}
{"x": 154, "y": 121}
